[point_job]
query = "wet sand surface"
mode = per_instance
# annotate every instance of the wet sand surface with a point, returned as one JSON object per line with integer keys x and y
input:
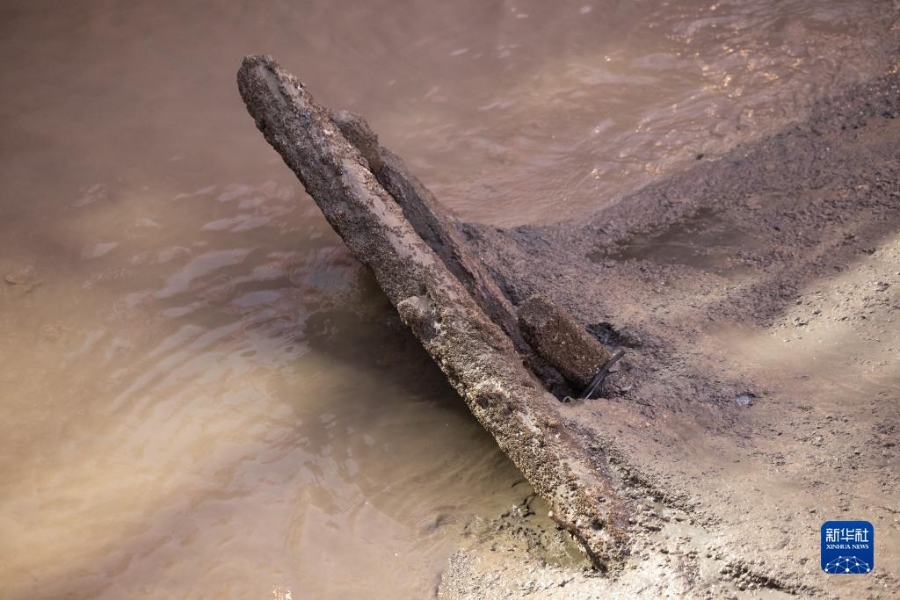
{"x": 203, "y": 394}
{"x": 757, "y": 297}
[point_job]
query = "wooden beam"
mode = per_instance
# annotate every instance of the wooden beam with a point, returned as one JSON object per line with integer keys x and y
{"x": 476, "y": 355}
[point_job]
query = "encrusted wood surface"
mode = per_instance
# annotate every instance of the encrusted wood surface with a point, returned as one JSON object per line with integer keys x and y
{"x": 476, "y": 355}
{"x": 439, "y": 230}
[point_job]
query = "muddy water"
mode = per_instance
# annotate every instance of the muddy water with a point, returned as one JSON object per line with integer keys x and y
{"x": 201, "y": 393}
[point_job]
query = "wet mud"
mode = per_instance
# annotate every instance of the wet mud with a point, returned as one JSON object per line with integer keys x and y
{"x": 757, "y": 295}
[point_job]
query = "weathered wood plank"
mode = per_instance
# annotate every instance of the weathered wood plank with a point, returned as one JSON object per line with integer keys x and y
{"x": 475, "y": 354}
{"x": 441, "y": 232}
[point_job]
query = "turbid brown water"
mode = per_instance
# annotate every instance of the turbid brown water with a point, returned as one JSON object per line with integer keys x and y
{"x": 202, "y": 393}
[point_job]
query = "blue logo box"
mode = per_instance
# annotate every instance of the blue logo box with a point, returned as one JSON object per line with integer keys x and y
{"x": 848, "y": 547}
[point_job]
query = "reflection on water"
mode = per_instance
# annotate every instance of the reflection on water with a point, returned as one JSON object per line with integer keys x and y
{"x": 202, "y": 393}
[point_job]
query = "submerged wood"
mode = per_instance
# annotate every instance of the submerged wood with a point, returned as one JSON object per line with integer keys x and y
{"x": 478, "y": 358}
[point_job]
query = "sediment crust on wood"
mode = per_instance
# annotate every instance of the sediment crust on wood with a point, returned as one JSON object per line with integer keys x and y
{"x": 476, "y": 355}
{"x": 441, "y": 232}
{"x": 562, "y": 342}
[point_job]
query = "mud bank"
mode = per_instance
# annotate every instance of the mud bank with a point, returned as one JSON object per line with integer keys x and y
{"x": 757, "y": 295}
{"x": 754, "y": 295}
